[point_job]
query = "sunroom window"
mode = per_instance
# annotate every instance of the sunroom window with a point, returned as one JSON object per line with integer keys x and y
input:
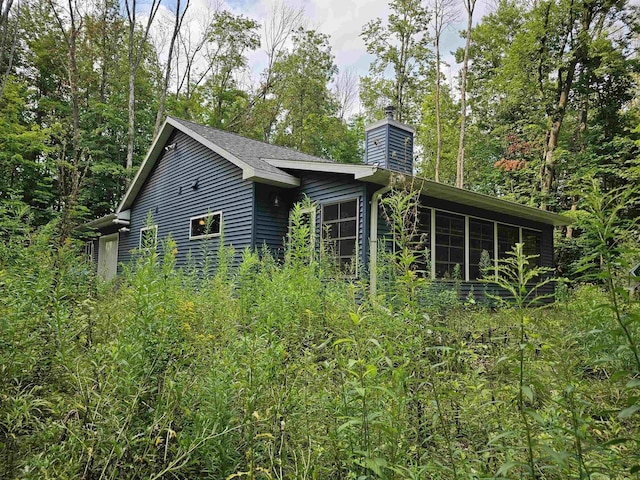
{"x": 508, "y": 236}
{"x": 480, "y": 239}
{"x": 531, "y": 240}
{"x": 449, "y": 245}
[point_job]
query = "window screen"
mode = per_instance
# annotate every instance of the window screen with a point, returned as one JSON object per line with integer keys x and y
{"x": 480, "y": 239}
{"x": 449, "y": 244}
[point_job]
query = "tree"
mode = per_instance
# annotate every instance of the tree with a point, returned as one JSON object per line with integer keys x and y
{"x": 444, "y": 14}
{"x": 308, "y": 109}
{"x": 402, "y": 45}
{"x": 136, "y": 49}
{"x": 179, "y": 14}
{"x": 9, "y": 26}
{"x": 438, "y": 156}
{"x": 72, "y": 166}
{"x": 230, "y": 39}
{"x": 537, "y": 73}
{"x": 469, "y": 6}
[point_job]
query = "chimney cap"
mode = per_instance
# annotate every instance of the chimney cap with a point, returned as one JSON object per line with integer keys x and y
{"x": 390, "y": 112}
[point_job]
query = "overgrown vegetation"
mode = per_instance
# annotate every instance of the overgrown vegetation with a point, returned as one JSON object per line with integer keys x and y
{"x": 279, "y": 370}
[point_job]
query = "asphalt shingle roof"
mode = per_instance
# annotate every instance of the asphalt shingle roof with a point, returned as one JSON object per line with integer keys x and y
{"x": 252, "y": 152}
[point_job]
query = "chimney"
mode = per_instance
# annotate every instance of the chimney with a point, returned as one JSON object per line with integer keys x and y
{"x": 389, "y": 144}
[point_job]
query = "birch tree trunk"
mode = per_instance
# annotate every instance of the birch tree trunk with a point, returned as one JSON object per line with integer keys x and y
{"x": 136, "y": 54}
{"x": 469, "y": 6}
{"x": 167, "y": 72}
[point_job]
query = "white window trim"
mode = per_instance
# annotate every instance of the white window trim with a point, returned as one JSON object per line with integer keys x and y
{"x": 206, "y": 215}
{"x": 358, "y": 236}
{"x": 146, "y": 229}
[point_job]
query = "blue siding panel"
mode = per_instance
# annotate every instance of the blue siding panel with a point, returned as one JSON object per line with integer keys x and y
{"x": 390, "y": 147}
{"x": 271, "y": 223}
{"x": 169, "y": 197}
{"x": 400, "y": 150}
{"x": 376, "y": 146}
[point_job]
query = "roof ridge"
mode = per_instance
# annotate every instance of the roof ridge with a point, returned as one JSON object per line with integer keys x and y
{"x": 249, "y": 138}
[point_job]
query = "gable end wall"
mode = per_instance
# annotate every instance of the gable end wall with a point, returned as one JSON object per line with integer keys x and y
{"x": 169, "y": 196}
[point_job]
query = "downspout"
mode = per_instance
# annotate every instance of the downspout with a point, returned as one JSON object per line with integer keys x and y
{"x": 373, "y": 238}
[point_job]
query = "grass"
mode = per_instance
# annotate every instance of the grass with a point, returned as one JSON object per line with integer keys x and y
{"x": 275, "y": 370}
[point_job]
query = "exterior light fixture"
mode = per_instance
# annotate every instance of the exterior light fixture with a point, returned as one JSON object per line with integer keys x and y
{"x": 275, "y": 199}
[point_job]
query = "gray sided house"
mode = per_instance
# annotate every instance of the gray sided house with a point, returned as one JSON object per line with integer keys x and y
{"x": 197, "y": 181}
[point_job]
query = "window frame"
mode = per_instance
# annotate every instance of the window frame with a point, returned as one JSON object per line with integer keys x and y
{"x": 465, "y": 242}
{"x": 207, "y": 235}
{"x": 146, "y": 229}
{"x": 356, "y": 253}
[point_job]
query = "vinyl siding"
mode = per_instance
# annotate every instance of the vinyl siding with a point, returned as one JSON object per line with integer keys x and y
{"x": 169, "y": 197}
{"x": 332, "y": 188}
{"x": 400, "y": 150}
{"x": 271, "y": 223}
{"x": 390, "y": 148}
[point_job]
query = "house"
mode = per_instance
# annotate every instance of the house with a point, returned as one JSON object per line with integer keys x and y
{"x": 195, "y": 179}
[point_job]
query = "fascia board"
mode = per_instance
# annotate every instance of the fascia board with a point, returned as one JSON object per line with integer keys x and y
{"x": 147, "y": 165}
{"x": 480, "y": 200}
{"x": 359, "y": 172}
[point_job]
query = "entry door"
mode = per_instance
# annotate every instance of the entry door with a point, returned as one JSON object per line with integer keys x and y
{"x": 108, "y": 256}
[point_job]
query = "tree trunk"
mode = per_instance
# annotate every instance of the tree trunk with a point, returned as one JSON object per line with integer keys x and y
{"x": 469, "y": 6}
{"x": 5, "y": 28}
{"x": 135, "y": 56}
{"x": 438, "y": 119}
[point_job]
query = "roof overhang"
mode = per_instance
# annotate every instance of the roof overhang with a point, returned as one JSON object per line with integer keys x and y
{"x": 118, "y": 218}
{"x": 281, "y": 179}
{"x": 369, "y": 173}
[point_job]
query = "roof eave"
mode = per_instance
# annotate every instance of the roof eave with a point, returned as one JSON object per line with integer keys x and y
{"x": 368, "y": 173}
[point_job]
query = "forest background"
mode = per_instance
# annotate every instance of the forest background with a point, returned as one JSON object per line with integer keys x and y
{"x": 273, "y": 368}
{"x": 546, "y": 94}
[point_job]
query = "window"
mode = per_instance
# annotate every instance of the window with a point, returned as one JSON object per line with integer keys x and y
{"x": 480, "y": 239}
{"x": 205, "y": 226}
{"x": 449, "y": 245}
{"x": 89, "y": 250}
{"x": 340, "y": 232}
{"x": 148, "y": 236}
{"x": 531, "y": 240}
{"x": 508, "y": 236}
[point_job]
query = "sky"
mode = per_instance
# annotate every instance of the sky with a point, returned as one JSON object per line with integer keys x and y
{"x": 342, "y": 20}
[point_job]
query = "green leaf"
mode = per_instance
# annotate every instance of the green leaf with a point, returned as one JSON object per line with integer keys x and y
{"x": 506, "y": 467}
{"x": 527, "y": 392}
{"x": 627, "y": 412}
{"x": 633, "y": 383}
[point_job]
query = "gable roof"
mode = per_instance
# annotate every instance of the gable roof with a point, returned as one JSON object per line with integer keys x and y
{"x": 245, "y": 153}
{"x": 265, "y": 163}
